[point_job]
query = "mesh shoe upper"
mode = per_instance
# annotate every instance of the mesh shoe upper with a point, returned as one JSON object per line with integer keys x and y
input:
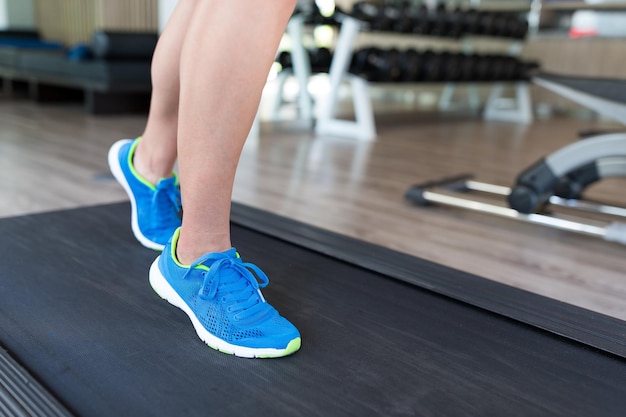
{"x": 223, "y": 293}
{"x": 156, "y": 209}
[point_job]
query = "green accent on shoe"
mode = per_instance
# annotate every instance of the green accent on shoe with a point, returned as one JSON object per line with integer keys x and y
{"x": 137, "y": 175}
{"x": 173, "y": 246}
{"x": 292, "y": 348}
{"x": 141, "y": 178}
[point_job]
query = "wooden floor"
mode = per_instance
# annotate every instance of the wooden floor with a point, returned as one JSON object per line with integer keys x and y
{"x": 54, "y": 157}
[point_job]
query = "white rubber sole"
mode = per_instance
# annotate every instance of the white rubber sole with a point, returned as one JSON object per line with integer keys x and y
{"x": 116, "y": 170}
{"x": 164, "y": 290}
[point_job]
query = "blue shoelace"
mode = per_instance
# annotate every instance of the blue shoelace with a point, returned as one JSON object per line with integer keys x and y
{"x": 167, "y": 200}
{"x": 236, "y": 283}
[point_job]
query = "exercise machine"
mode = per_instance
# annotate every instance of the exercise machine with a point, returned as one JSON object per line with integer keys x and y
{"x": 559, "y": 179}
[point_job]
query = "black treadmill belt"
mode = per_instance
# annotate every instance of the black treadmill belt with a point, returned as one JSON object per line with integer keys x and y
{"x": 77, "y": 311}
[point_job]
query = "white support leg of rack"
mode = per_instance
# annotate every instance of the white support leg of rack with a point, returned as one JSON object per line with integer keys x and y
{"x": 517, "y": 109}
{"x": 279, "y": 100}
{"x": 301, "y": 70}
{"x": 301, "y": 67}
{"x": 363, "y": 126}
{"x": 446, "y": 100}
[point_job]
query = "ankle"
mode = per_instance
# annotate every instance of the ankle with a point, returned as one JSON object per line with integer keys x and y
{"x": 189, "y": 250}
{"x": 148, "y": 166}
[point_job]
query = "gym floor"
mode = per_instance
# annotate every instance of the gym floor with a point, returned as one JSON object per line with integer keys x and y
{"x": 54, "y": 157}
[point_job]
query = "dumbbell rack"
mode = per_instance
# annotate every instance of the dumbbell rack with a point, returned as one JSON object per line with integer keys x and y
{"x": 517, "y": 109}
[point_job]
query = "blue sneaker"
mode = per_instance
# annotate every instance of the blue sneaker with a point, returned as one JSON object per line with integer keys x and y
{"x": 155, "y": 209}
{"x": 222, "y": 297}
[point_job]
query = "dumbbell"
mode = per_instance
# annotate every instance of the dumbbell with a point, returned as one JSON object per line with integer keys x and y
{"x": 366, "y": 63}
{"x": 466, "y": 67}
{"x": 439, "y": 19}
{"x": 411, "y": 63}
{"x": 451, "y": 66}
{"x": 495, "y": 68}
{"x": 386, "y": 65}
{"x": 284, "y": 59}
{"x": 486, "y": 21}
{"x": 456, "y": 23}
{"x": 391, "y": 15}
{"x": 526, "y": 69}
{"x": 391, "y": 70}
{"x": 432, "y": 66}
{"x": 510, "y": 70}
{"x": 378, "y": 65}
{"x": 501, "y": 25}
{"x": 519, "y": 28}
{"x": 510, "y": 26}
{"x": 379, "y": 18}
{"x": 411, "y": 66}
{"x": 405, "y": 21}
{"x": 421, "y": 22}
{"x": 471, "y": 20}
{"x": 364, "y": 11}
{"x": 481, "y": 67}
{"x": 320, "y": 59}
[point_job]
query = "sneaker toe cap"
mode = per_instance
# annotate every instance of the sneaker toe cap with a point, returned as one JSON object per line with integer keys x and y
{"x": 276, "y": 333}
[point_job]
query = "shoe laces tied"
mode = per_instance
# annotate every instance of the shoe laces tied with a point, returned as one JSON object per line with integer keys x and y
{"x": 167, "y": 199}
{"x": 236, "y": 282}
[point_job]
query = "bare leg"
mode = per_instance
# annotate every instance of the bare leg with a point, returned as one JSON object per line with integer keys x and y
{"x": 156, "y": 153}
{"x": 225, "y": 60}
